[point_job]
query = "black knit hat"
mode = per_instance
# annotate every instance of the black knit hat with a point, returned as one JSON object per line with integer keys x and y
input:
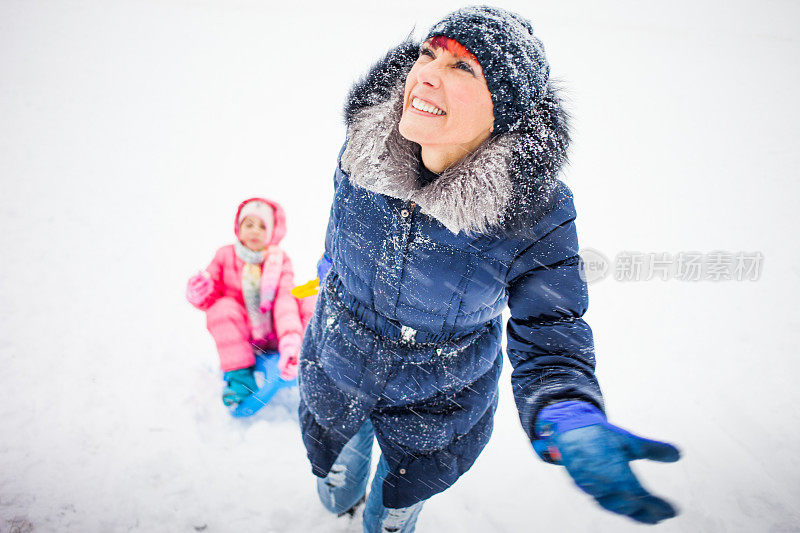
{"x": 512, "y": 59}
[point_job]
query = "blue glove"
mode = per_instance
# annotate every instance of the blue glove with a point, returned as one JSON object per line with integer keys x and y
{"x": 596, "y": 454}
{"x": 323, "y": 266}
{"x": 240, "y": 384}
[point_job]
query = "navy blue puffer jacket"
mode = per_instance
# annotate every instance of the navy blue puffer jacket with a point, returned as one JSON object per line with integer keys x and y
{"x": 407, "y": 329}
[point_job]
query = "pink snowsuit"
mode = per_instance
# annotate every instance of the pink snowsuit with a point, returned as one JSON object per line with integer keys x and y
{"x": 226, "y": 314}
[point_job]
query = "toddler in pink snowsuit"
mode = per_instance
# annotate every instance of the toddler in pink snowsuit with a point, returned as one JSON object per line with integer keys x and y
{"x": 245, "y": 292}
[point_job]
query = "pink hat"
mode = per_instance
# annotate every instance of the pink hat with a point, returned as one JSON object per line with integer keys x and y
{"x": 269, "y": 211}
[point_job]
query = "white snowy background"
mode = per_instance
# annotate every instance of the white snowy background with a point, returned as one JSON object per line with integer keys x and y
{"x": 130, "y": 130}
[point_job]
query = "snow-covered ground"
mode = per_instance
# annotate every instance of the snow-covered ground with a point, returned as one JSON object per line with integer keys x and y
{"x": 130, "y": 130}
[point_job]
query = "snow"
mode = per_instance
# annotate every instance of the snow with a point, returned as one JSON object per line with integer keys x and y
{"x": 131, "y": 131}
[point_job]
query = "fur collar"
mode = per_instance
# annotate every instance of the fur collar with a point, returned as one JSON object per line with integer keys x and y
{"x": 505, "y": 186}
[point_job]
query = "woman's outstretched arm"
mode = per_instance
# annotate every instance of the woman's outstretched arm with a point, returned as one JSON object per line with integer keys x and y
{"x": 550, "y": 346}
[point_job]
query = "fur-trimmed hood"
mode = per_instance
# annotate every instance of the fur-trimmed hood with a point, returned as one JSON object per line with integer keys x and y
{"x": 505, "y": 186}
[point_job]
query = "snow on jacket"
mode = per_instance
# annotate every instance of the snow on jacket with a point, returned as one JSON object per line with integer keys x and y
{"x": 407, "y": 328}
{"x": 225, "y": 271}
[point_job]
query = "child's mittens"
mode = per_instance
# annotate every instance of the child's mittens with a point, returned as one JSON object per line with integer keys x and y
{"x": 199, "y": 288}
{"x": 289, "y": 348}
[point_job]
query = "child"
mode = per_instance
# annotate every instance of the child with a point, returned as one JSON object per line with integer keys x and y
{"x": 245, "y": 294}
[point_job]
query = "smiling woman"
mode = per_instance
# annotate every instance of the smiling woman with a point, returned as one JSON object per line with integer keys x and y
{"x": 447, "y": 108}
{"x": 447, "y": 209}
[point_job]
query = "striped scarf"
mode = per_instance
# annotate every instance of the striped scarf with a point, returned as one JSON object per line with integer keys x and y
{"x": 260, "y": 276}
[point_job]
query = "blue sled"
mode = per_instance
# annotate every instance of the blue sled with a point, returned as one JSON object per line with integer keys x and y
{"x": 268, "y": 365}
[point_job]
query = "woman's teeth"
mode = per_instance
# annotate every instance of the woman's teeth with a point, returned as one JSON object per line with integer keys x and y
{"x": 416, "y": 103}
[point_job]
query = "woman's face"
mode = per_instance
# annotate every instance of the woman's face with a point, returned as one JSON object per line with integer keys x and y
{"x": 446, "y": 102}
{"x": 253, "y": 233}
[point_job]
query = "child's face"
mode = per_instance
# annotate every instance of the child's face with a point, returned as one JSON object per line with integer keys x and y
{"x": 253, "y": 233}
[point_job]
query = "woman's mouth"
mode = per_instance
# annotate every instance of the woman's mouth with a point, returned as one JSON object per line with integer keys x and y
{"x": 426, "y": 108}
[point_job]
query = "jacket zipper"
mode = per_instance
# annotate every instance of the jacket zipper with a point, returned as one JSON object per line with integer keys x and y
{"x": 408, "y": 217}
{"x": 408, "y": 213}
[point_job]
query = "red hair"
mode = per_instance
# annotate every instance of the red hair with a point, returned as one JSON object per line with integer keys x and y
{"x": 452, "y": 46}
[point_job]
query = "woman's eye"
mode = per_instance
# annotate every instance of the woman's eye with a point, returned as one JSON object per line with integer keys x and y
{"x": 426, "y": 52}
{"x": 465, "y": 67}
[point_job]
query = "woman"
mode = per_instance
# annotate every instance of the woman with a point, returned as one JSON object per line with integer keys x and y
{"x": 447, "y": 208}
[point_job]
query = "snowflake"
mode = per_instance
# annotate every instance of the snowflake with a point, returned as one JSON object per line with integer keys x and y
{"x": 408, "y": 334}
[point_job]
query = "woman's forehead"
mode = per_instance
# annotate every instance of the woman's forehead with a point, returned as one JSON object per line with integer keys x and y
{"x": 451, "y": 45}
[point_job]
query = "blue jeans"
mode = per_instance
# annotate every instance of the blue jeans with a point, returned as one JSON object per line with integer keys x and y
{"x": 347, "y": 481}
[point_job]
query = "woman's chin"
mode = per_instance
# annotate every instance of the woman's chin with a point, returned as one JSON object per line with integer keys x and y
{"x": 411, "y": 129}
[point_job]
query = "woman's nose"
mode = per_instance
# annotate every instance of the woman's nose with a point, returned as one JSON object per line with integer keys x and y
{"x": 430, "y": 74}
